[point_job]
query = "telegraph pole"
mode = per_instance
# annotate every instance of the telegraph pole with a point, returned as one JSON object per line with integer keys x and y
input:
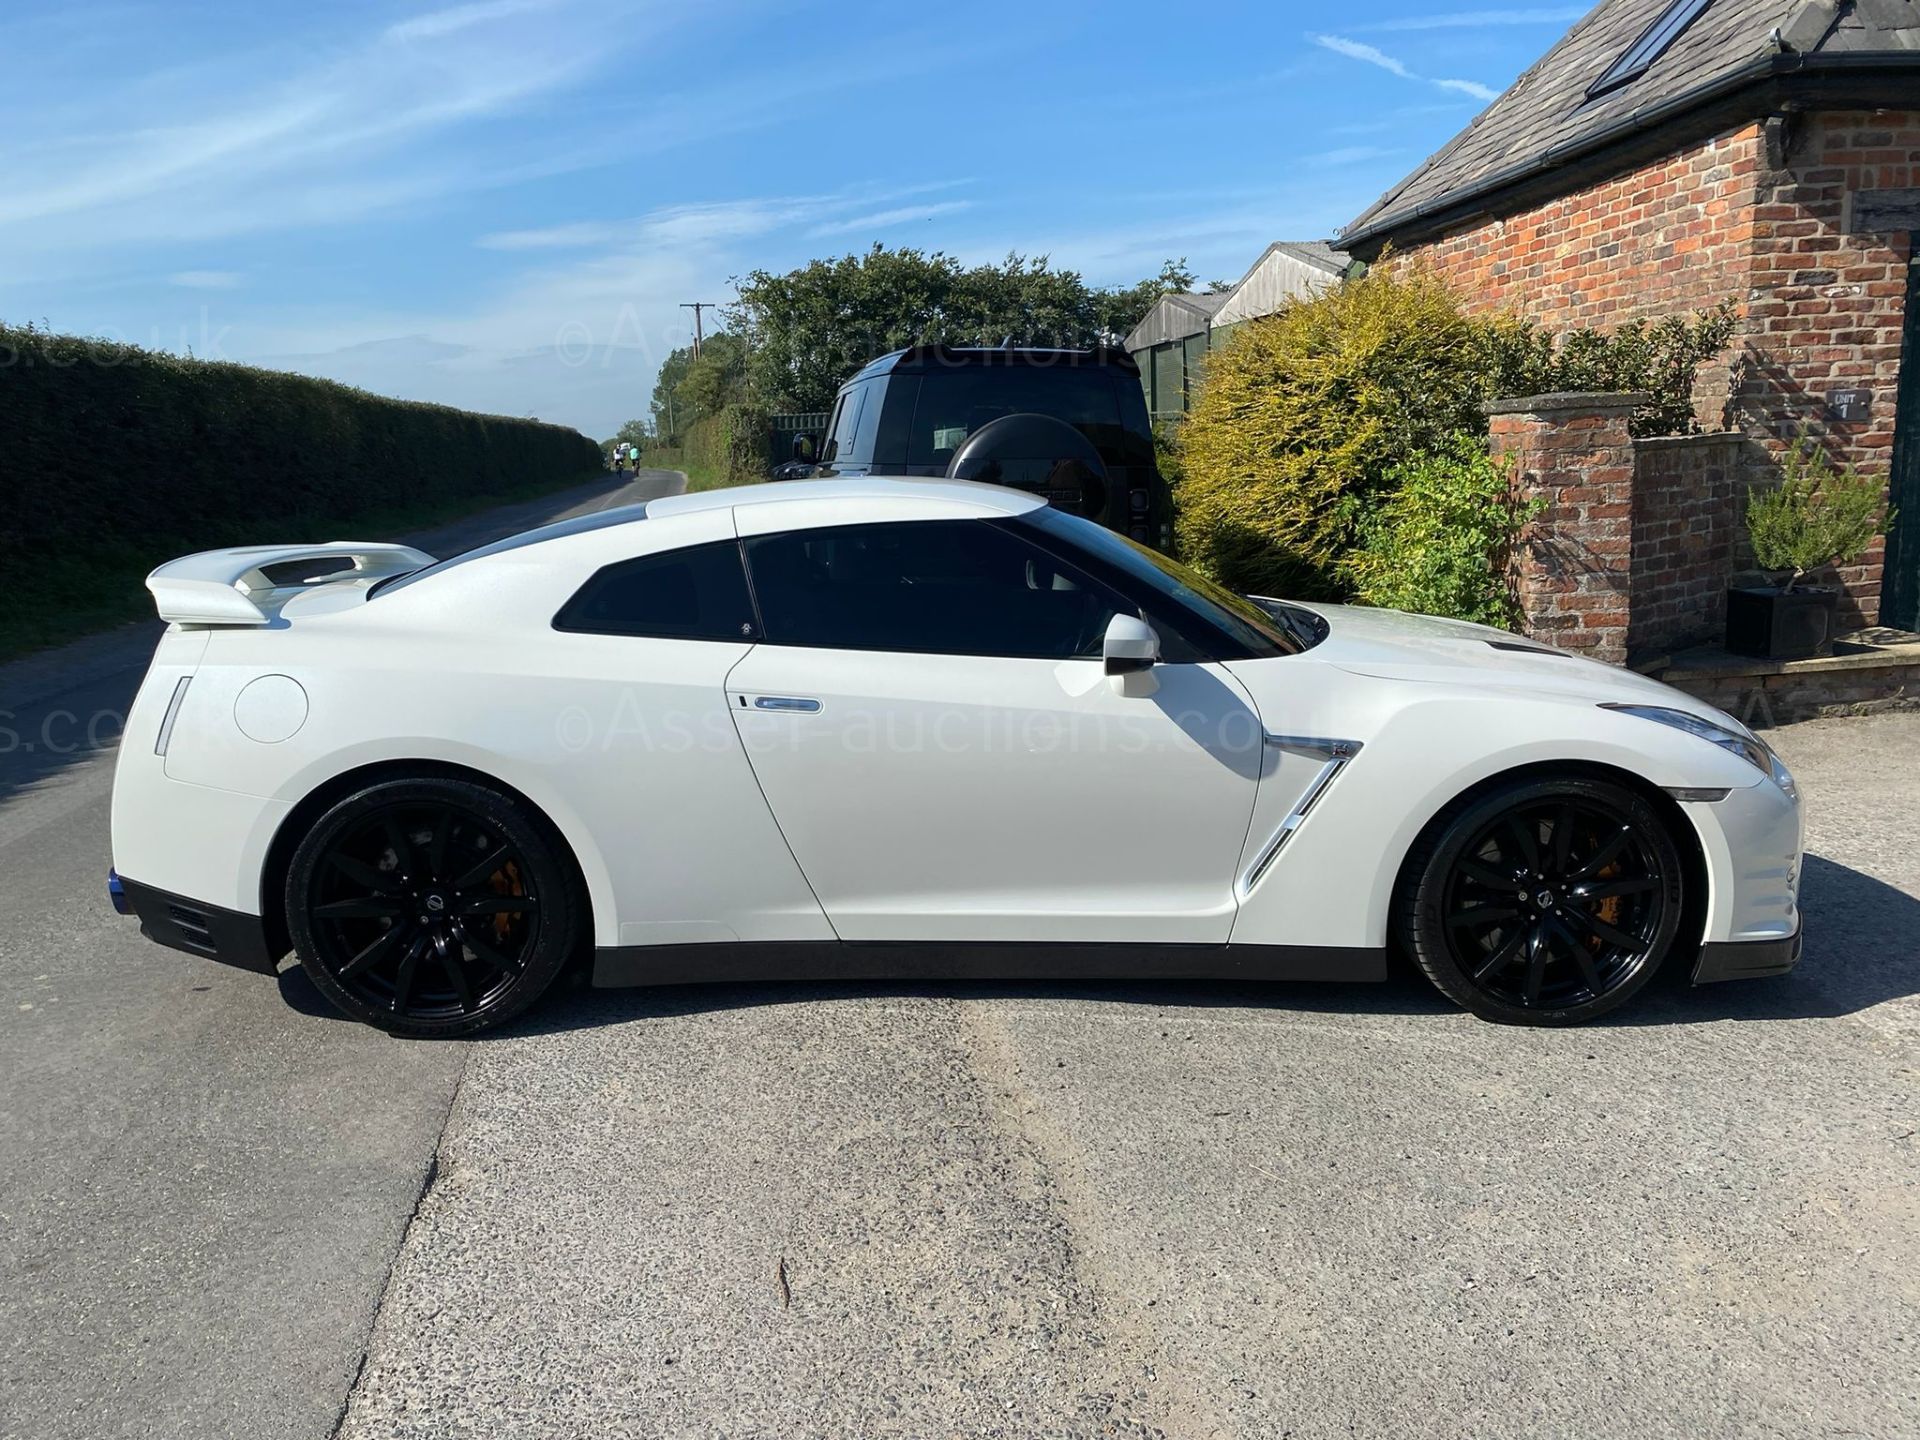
{"x": 696, "y": 306}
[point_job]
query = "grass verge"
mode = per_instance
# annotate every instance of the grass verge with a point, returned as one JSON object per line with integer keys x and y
{"x": 701, "y": 474}
{"x": 50, "y": 598}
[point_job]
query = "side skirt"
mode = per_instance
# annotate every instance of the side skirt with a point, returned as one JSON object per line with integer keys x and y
{"x": 981, "y": 960}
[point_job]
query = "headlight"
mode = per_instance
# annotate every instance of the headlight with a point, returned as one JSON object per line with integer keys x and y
{"x": 1782, "y": 776}
{"x": 1742, "y": 742}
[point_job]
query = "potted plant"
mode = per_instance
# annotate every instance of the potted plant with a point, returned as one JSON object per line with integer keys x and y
{"x": 1816, "y": 516}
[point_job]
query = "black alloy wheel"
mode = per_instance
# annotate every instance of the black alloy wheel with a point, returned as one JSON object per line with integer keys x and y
{"x": 1543, "y": 902}
{"x": 431, "y": 907}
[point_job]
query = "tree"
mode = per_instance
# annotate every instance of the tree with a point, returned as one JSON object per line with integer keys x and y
{"x": 1121, "y": 310}
{"x": 716, "y": 377}
{"x": 666, "y": 419}
{"x": 806, "y": 331}
{"x": 688, "y": 389}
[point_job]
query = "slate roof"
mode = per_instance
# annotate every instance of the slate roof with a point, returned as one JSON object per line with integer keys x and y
{"x": 1546, "y": 115}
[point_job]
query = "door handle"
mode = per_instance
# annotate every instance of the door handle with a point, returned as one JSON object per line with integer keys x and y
{"x": 792, "y": 703}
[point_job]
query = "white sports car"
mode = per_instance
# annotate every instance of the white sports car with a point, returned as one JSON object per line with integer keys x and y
{"x": 879, "y": 727}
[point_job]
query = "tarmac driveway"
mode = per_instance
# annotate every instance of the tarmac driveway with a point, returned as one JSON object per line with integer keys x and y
{"x": 1198, "y": 1211}
{"x": 1190, "y": 1211}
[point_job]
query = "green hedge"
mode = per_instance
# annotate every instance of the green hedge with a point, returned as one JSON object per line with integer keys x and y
{"x": 726, "y": 448}
{"x": 113, "y": 459}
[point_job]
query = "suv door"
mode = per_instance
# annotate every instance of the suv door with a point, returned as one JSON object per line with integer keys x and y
{"x": 932, "y": 724}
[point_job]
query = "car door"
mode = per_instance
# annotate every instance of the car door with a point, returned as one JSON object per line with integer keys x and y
{"x": 935, "y": 732}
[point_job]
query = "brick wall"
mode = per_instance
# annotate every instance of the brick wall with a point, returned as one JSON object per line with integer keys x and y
{"x": 1686, "y": 539}
{"x": 1667, "y": 239}
{"x": 1734, "y": 217}
{"x": 1826, "y": 307}
{"x": 1630, "y": 557}
{"x": 1572, "y": 564}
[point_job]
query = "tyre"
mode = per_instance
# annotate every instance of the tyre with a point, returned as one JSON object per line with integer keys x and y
{"x": 1543, "y": 901}
{"x": 432, "y": 907}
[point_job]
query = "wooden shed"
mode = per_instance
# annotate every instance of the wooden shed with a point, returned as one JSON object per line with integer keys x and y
{"x": 1173, "y": 338}
{"x": 1167, "y": 345}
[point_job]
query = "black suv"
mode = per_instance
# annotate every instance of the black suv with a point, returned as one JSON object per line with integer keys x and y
{"x": 910, "y": 414}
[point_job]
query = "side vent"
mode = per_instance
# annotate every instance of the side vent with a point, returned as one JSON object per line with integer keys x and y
{"x": 196, "y": 927}
{"x": 1525, "y": 649}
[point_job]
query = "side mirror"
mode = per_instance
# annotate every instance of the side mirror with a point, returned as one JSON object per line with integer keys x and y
{"x": 803, "y": 447}
{"x": 1130, "y": 646}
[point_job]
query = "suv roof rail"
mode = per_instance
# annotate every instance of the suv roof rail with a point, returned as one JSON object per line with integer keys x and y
{"x": 921, "y": 358}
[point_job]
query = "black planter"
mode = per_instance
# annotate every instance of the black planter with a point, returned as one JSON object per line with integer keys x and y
{"x": 1773, "y": 624}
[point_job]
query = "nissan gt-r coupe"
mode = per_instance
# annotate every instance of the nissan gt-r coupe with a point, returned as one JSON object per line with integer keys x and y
{"x": 865, "y": 728}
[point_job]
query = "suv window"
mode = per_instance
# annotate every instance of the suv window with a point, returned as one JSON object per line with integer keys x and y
{"x": 846, "y": 418}
{"x": 954, "y": 403}
{"x": 867, "y": 427}
{"x": 935, "y": 587}
{"x": 699, "y": 593}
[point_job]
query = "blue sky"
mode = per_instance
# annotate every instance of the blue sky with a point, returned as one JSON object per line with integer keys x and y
{"x": 501, "y": 204}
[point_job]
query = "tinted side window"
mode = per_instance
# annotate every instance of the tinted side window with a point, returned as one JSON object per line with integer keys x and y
{"x": 867, "y": 427}
{"x": 946, "y": 587}
{"x": 699, "y": 593}
{"x": 957, "y": 401}
{"x": 846, "y": 418}
{"x": 894, "y": 397}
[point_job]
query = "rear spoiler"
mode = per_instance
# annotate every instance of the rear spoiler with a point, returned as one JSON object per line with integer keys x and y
{"x": 233, "y": 587}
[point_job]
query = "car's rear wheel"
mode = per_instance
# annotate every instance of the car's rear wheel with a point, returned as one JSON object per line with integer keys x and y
{"x": 1543, "y": 901}
{"x": 431, "y": 907}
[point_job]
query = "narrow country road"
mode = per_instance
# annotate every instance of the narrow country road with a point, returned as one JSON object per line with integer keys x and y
{"x": 204, "y": 1180}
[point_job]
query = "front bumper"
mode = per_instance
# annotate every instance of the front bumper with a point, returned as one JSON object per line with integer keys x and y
{"x": 195, "y": 926}
{"x": 1746, "y": 959}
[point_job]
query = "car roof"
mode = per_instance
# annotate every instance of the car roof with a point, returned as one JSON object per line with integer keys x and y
{"x": 927, "y": 359}
{"x": 989, "y": 499}
{"x": 771, "y": 506}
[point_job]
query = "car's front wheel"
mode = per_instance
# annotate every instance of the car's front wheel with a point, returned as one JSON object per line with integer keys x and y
{"x": 1543, "y": 901}
{"x": 432, "y": 906}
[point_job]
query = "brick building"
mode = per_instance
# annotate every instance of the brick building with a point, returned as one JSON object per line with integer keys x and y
{"x": 1670, "y": 154}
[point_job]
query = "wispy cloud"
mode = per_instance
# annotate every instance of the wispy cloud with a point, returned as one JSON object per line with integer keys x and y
{"x": 437, "y": 24}
{"x": 1350, "y": 155}
{"x": 711, "y": 222}
{"x": 553, "y": 237}
{"x": 1373, "y": 55}
{"x": 1355, "y": 50}
{"x": 207, "y": 279}
{"x": 355, "y": 124}
{"x": 1478, "y": 19}
{"x": 881, "y": 219}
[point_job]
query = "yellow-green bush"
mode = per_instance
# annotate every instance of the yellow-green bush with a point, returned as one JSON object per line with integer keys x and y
{"x": 1304, "y": 409}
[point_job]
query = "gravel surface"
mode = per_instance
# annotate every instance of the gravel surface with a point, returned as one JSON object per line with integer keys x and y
{"x": 1198, "y": 1211}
